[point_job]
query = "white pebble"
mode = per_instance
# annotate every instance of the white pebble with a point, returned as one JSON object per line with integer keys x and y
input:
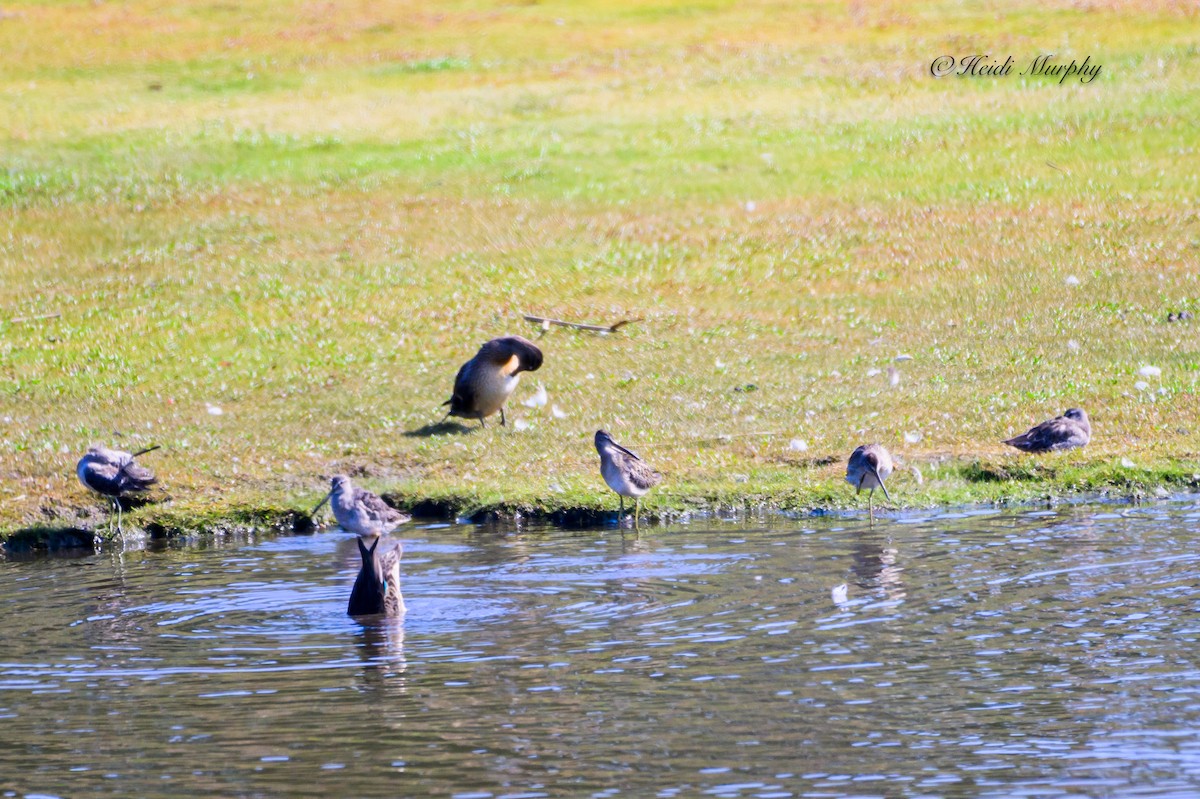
{"x": 213, "y": 410}
{"x": 1141, "y": 385}
{"x": 1072, "y": 280}
{"x": 1150, "y": 371}
{"x": 798, "y": 445}
{"x": 912, "y": 438}
{"x": 1128, "y": 464}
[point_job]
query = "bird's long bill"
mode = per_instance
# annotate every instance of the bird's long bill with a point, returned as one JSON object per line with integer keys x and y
{"x": 147, "y": 449}
{"x": 881, "y": 485}
{"x": 627, "y": 452}
{"x": 313, "y": 512}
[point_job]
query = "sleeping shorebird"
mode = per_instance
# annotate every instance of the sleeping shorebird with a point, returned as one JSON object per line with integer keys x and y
{"x": 377, "y": 587}
{"x": 868, "y": 467}
{"x": 625, "y": 472}
{"x": 113, "y": 473}
{"x": 485, "y": 382}
{"x": 1071, "y": 430}
{"x": 360, "y": 512}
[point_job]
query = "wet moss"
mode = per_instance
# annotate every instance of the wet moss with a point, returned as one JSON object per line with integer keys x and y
{"x": 943, "y": 483}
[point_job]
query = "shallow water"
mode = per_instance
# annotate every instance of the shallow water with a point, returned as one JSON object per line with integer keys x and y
{"x": 1005, "y": 654}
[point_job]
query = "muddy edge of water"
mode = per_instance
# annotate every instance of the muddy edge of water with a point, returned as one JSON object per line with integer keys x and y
{"x": 239, "y": 524}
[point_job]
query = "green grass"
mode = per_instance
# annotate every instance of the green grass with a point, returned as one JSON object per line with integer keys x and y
{"x": 310, "y": 222}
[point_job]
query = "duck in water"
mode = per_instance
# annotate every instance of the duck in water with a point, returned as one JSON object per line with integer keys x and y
{"x": 1070, "y": 431}
{"x": 484, "y": 383}
{"x": 377, "y": 589}
{"x": 113, "y": 473}
{"x": 358, "y": 511}
{"x": 625, "y": 472}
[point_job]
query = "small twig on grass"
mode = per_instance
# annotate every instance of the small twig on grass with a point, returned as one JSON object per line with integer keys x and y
{"x": 546, "y": 322}
{"x": 16, "y": 320}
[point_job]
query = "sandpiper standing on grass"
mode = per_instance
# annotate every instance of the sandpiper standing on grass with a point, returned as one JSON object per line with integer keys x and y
{"x": 113, "y": 473}
{"x": 484, "y": 383}
{"x": 1071, "y": 430}
{"x": 868, "y": 467}
{"x": 625, "y": 472}
{"x": 377, "y": 587}
{"x": 360, "y": 512}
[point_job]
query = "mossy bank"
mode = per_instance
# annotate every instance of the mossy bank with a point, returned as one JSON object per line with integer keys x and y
{"x": 802, "y": 491}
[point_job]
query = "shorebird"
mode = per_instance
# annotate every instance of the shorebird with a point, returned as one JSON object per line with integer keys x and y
{"x": 113, "y": 473}
{"x": 485, "y": 382}
{"x": 377, "y": 588}
{"x": 1071, "y": 430}
{"x": 360, "y": 512}
{"x": 625, "y": 472}
{"x": 868, "y": 467}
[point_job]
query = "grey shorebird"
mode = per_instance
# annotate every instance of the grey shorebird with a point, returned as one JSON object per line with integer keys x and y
{"x": 377, "y": 587}
{"x": 1070, "y": 431}
{"x": 625, "y": 472}
{"x": 358, "y": 511}
{"x": 113, "y": 473}
{"x": 868, "y": 467}
{"x": 484, "y": 383}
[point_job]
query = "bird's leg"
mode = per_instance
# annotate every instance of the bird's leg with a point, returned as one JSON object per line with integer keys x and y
{"x": 117, "y": 502}
{"x": 621, "y": 512}
{"x": 502, "y": 423}
{"x": 871, "y": 503}
{"x": 112, "y": 508}
{"x": 637, "y": 509}
{"x": 481, "y": 422}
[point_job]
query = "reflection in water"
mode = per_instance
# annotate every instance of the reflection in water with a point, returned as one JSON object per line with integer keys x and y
{"x": 875, "y": 564}
{"x": 1031, "y": 653}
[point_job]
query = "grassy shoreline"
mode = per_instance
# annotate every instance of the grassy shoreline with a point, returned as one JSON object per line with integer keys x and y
{"x": 266, "y": 239}
{"x": 1008, "y": 482}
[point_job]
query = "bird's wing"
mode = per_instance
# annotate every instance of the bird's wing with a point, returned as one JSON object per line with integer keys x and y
{"x": 376, "y": 508}
{"x": 464, "y": 392}
{"x": 1057, "y": 433}
{"x": 136, "y": 478}
{"x": 1070, "y": 434}
{"x": 641, "y": 475}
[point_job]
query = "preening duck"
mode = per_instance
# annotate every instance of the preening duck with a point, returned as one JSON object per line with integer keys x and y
{"x": 485, "y": 382}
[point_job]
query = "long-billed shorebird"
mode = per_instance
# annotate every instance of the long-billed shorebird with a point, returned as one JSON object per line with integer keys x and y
{"x": 868, "y": 467}
{"x": 358, "y": 511}
{"x": 377, "y": 587}
{"x": 484, "y": 383}
{"x": 1071, "y": 430}
{"x": 113, "y": 473}
{"x": 625, "y": 472}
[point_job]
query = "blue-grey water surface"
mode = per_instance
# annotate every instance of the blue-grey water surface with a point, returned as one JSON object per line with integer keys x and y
{"x": 1028, "y": 653}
